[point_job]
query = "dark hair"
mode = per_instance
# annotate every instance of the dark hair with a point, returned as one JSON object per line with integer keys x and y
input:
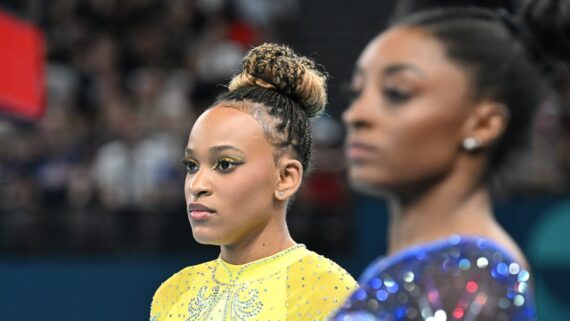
{"x": 549, "y": 21}
{"x": 407, "y": 7}
{"x": 505, "y": 62}
{"x": 286, "y": 87}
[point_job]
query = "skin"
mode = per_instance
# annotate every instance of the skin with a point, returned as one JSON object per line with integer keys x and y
{"x": 231, "y": 169}
{"x": 413, "y": 109}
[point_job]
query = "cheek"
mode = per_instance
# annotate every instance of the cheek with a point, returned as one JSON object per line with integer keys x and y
{"x": 187, "y": 187}
{"x": 422, "y": 137}
{"x": 248, "y": 191}
{"x": 426, "y": 141}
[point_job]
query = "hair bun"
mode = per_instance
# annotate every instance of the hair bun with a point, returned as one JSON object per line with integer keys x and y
{"x": 279, "y": 68}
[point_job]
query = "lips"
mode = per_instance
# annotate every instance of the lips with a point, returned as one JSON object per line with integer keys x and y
{"x": 357, "y": 151}
{"x": 199, "y": 212}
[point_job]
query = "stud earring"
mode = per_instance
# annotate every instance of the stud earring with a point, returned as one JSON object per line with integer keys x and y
{"x": 280, "y": 193}
{"x": 471, "y": 143}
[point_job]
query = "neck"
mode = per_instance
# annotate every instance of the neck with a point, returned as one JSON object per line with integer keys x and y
{"x": 455, "y": 205}
{"x": 273, "y": 238}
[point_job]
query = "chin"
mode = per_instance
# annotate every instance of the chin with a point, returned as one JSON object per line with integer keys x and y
{"x": 371, "y": 190}
{"x": 204, "y": 238}
{"x": 370, "y": 185}
{"x": 208, "y": 241}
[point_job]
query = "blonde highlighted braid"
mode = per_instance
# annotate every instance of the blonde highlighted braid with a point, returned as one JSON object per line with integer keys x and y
{"x": 282, "y": 90}
{"x": 278, "y": 67}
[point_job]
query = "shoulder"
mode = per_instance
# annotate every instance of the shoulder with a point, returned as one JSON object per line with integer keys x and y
{"x": 454, "y": 255}
{"x": 316, "y": 286}
{"x": 188, "y": 274}
{"x": 316, "y": 268}
{"x": 490, "y": 283}
{"x": 170, "y": 290}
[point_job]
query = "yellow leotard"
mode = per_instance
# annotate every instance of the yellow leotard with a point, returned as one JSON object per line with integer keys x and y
{"x": 294, "y": 284}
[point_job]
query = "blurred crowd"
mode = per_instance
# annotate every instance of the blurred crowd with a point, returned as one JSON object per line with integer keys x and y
{"x": 101, "y": 171}
{"x": 125, "y": 79}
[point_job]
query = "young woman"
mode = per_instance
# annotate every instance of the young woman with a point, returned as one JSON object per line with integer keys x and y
{"x": 444, "y": 99}
{"x": 246, "y": 157}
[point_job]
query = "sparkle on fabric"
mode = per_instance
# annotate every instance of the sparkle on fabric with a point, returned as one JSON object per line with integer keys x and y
{"x": 458, "y": 313}
{"x": 458, "y": 279}
{"x": 519, "y": 300}
{"x": 381, "y": 295}
{"x": 433, "y": 296}
{"x": 294, "y": 284}
{"x": 523, "y": 276}
{"x": 514, "y": 268}
{"x": 376, "y": 283}
{"x": 522, "y": 287}
{"x": 454, "y": 239}
{"x": 482, "y": 262}
{"x": 440, "y": 315}
{"x": 388, "y": 282}
{"x": 502, "y": 269}
{"x": 504, "y": 303}
{"x": 471, "y": 287}
{"x": 481, "y": 298}
{"x": 393, "y": 288}
{"x": 361, "y": 295}
{"x": 409, "y": 276}
{"x": 464, "y": 264}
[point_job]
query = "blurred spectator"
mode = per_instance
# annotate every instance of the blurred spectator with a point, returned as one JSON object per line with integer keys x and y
{"x": 125, "y": 80}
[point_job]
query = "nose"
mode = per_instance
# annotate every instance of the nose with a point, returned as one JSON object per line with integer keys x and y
{"x": 198, "y": 184}
{"x": 356, "y": 115}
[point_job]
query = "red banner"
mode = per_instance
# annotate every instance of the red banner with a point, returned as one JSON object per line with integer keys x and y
{"x": 22, "y": 85}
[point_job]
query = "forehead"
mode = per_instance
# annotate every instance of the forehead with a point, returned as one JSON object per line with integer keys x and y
{"x": 406, "y": 45}
{"x": 221, "y": 125}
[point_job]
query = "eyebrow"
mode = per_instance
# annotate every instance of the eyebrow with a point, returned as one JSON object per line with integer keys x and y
{"x": 217, "y": 149}
{"x": 393, "y": 69}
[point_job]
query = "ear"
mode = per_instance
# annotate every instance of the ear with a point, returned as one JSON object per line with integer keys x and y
{"x": 290, "y": 173}
{"x": 485, "y": 125}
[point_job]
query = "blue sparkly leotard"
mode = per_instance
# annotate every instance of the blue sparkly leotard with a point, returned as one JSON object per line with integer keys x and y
{"x": 457, "y": 279}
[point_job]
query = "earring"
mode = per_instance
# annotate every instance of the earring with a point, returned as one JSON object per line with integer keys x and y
{"x": 471, "y": 143}
{"x": 281, "y": 194}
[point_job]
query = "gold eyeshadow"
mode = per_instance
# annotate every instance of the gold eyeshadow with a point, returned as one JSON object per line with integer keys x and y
{"x": 230, "y": 159}
{"x": 188, "y": 161}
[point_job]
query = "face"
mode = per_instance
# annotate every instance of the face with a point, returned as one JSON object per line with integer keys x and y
{"x": 231, "y": 177}
{"x": 405, "y": 126}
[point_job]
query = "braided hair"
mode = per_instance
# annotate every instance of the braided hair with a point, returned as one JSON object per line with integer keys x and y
{"x": 282, "y": 91}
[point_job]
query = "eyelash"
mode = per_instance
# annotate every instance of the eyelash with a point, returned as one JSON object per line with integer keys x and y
{"x": 392, "y": 95}
{"x": 232, "y": 163}
{"x": 218, "y": 166}
{"x": 395, "y": 96}
{"x": 187, "y": 163}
